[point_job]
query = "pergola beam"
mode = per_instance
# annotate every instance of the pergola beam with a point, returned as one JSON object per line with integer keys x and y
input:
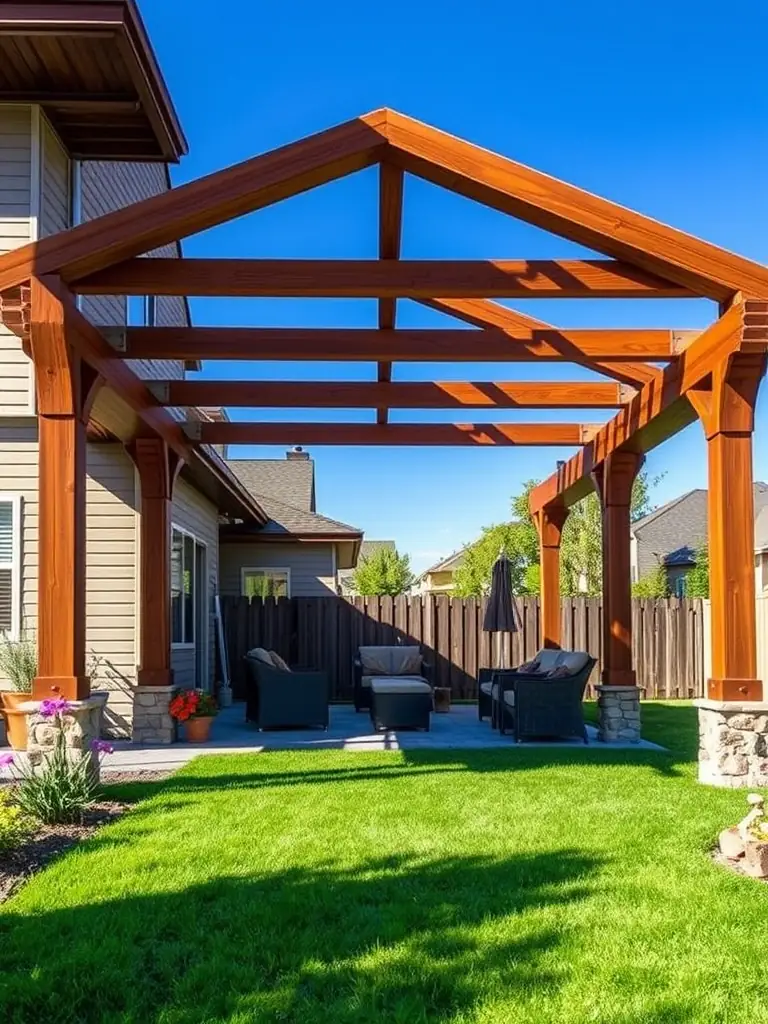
{"x": 378, "y": 279}
{"x": 401, "y": 395}
{"x": 430, "y": 434}
{"x": 390, "y": 232}
{"x": 483, "y": 313}
{"x": 419, "y": 345}
{"x": 660, "y": 409}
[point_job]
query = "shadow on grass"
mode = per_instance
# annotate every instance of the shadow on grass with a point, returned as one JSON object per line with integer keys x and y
{"x": 397, "y": 939}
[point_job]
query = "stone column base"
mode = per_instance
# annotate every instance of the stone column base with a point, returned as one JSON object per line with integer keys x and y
{"x": 151, "y": 721}
{"x": 81, "y": 725}
{"x": 733, "y": 743}
{"x": 618, "y": 714}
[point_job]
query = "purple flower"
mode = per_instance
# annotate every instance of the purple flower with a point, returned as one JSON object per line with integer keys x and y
{"x": 6, "y": 760}
{"x": 102, "y": 747}
{"x": 51, "y": 708}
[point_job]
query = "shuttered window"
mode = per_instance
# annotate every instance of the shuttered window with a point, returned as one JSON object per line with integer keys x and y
{"x": 10, "y": 567}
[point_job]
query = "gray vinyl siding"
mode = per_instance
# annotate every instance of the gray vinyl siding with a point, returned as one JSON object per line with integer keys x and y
{"x": 311, "y": 566}
{"x": 193, "y": 512}
{"x": 111, "y": 548}
{"x": 56, "y": 189}
{"x": 15, "y": 211}
{"x": 105, "y": 187}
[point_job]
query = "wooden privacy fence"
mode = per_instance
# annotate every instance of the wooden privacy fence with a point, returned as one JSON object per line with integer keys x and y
{"x": 325, "y": 632}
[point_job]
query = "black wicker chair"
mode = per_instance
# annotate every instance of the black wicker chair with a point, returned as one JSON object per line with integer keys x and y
{"x": 541, "y": 707}
{"x": 362, "y": 694}
{"x": 286, "y": 700}
{"x": 484, "y": 690}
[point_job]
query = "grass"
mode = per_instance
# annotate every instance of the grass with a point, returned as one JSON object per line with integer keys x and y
{"x": 490, "y": 887}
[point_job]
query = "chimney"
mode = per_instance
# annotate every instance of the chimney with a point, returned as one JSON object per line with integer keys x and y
{"x": 297, "y": 452}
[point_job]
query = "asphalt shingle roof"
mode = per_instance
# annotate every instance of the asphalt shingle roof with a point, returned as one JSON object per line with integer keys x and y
{"x": 289, "y": 480}
{"x": 285, "y": 518}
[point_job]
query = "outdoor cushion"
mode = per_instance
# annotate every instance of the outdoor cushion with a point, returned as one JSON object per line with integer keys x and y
{"x": 390, "y": 661}
{"x": 400, "y": 685}
{"x": 278, "y": 662}
{"x": 367, "y": 680}
{"x": 547, "y": 659}
{"x": 573, "y": 661}
{"x": 406, "y": 661}
{"x": 487, "y": 687}
{"x": 509, "y": 697}
{"x": 259, "y": 654}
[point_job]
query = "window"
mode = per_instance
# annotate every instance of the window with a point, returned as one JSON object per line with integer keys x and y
{"x": 10, "y": 564}
{"x": 186, "y": 589}
{"x": 265, "y": 583}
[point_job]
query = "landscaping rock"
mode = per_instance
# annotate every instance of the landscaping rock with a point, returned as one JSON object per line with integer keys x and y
{"x": 731, "y": 844}
{"x": 756, "y": 859}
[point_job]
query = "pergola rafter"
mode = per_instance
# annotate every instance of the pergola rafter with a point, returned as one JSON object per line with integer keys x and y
{"x": 712, "y": 374}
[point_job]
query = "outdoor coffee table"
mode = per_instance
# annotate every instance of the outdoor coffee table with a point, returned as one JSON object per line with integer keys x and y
{"x": 442, "y": 699}
{"x": 400, "y": 703}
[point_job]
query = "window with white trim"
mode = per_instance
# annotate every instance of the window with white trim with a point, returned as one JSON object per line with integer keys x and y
{"x": 184, "y": 586}
{"x": 264, "y": 582}
{"x": 10, "y": 564}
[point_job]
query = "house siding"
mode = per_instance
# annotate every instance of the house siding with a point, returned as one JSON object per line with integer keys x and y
{"x": 15, "y": 212}
{"x": 56, "y": 187}
{"x": 193, "y": 512}
{"x": 108, "y": 186}
{"x": 311, "y": 565}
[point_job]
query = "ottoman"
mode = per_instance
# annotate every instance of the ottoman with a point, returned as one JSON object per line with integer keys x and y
{"x": 400, "y": 703}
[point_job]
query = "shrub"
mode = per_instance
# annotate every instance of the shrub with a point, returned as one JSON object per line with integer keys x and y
{"x": 14, "y": 826}
{"x": 18, "y": 661}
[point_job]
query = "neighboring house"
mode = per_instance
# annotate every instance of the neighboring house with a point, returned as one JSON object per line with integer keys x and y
{"x": 75, "y": 145}
{"x": 671, "y": 535}
{"x": 438, "y": 579}
{"x": 298, "y": 553}
{"x": 761, "y": 551}
{"x": 345, "y": 577}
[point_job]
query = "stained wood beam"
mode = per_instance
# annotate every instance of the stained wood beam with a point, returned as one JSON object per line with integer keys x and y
{"x": 431, "y": 434}
{"x": 484, "y": 313}
{"x": 421, "y": 345}
{"x": 390, "y": 232}
{"x": 202, "y": 204}
{"x": 566, "y": 210}
{"x": 660, "y": 409}
{"x": 378, "y": 279}
{"x": 401, "y": 395}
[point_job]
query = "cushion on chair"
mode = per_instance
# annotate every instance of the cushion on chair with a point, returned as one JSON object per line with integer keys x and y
{"x": 573, "y": 661}
{"x": 259, "y": 654}
{"x": 376, "y": 661}
{"x": 390, "y": 661}
{"x": 487, "y": 688}
{"x": 400, "y": 684}
{"x": 509, "y": 697}
{"x": 547, "y": 659}
{"x": 278, "y": 662}
{"x": 406, "y": 661}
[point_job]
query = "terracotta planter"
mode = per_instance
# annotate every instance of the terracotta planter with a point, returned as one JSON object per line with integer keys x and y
{"x": 15, "y": 720}
{"x": 198, "y": 729}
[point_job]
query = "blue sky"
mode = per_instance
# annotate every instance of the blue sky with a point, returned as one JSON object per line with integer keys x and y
{"x": 662, "y": 107}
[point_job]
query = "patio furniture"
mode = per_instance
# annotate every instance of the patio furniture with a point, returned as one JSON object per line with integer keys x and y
{"x": 442, "y": 695}
{"x": 484, "y": 693}
{"x": 546, "y": 703}
{"x": 282, "y": 698}
{"x": 400, "y": 703}
{"x": 378, "y": 662}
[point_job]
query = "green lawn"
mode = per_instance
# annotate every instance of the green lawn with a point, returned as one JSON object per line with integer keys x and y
{"x": 486, "y": 887}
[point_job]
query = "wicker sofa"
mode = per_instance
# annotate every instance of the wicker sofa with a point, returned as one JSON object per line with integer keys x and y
{"x": 398, "y": 662}
{"x": 543, "y": 699}
{"x": 281, "y": 698}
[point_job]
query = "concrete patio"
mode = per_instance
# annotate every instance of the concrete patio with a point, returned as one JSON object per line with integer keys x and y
{"x": 459, "y": 729}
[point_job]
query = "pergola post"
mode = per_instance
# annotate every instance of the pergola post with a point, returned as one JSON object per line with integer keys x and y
{"x": 65, "y": 387}
{"x": 157, "y": 466}
{"x": 549, "y": 523}
{"x": 618, "y": 696}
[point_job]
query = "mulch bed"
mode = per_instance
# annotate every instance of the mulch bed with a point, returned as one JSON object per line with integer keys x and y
{"x": 48, "y": 841}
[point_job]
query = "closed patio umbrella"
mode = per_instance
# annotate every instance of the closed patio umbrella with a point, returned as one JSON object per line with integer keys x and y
{"x": 500, "y": 611}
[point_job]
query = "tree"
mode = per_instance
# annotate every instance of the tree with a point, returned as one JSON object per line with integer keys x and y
{"x": 697, "y": 580}
{"x": 653, "y": 584}
{"x": 580, "y": 553}
{"x": 384, "y": 572}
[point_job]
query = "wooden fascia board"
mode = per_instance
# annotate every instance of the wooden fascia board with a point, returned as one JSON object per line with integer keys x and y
{"x": 571, "y": 212}
{"x": 660, "y": 409}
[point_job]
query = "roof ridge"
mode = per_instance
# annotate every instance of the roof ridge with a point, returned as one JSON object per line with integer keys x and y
{"x": 303, "y": 511}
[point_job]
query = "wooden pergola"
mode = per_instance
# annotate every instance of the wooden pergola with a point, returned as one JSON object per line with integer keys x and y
{"x": 711, "y": 374}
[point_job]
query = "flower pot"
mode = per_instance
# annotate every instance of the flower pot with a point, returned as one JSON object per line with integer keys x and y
{"x": 198, "y": 729}
{"x": 15, "y": 720}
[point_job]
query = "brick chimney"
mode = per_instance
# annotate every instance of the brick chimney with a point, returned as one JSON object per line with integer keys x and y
{"x": 297, "y": 452}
